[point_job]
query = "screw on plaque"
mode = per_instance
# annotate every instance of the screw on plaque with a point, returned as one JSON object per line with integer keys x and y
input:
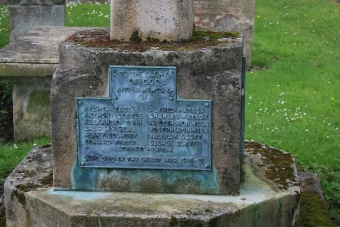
{"x": 171, "y": 98}
{"x": 207, "y": 104}
{"x": 115, "y": 97}
{"x": 172, "y": 72}
{"x": 81, "y": 102}
{"x": 207, "y": 166}
{"x": 114, "y": 70}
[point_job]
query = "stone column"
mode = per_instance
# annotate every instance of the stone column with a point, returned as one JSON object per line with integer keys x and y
{"x": 170, "y": 20}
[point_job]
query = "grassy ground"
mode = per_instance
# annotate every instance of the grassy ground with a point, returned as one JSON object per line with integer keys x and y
{"x": 4, "y": 25}
{"x": 11, "y": 154}
{"x": 87, "y": 14}
{"x": 292, "y": 99}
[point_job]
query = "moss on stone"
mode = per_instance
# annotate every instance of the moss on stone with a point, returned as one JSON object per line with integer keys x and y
{"x": 47, "y": 181}
{"x": 100, "y": 38}
{"x": 313, "y": 211}
{"x": 27, "y": 187}
{"x": 173, "y": 221}
{"x": 280, "y": 164}
{"x": 2, "y": 217}
{"x": 135, "y": 37}
{"x": 214, "y": 35}
{"x": 45, "y": 146}
{"x": 17, "y": 193}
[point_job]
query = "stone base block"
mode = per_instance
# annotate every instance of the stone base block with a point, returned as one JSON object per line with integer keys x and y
{"x": 210, "y": 73}
{"x": 264, "y": 200}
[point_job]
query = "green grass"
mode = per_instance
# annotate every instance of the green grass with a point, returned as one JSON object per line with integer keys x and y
{"x": 4, "y": 26}
{"x": 11, "y": 154}
{"x": 81, "y": 15}
{"x": 293, "y": 98}
{"x": 87, "y": 14}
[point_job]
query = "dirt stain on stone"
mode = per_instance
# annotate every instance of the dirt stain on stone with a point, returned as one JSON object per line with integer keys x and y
{"x": 100, "y": 38}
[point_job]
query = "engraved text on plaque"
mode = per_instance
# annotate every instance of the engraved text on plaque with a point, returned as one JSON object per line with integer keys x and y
{"x": 143, "y": 125}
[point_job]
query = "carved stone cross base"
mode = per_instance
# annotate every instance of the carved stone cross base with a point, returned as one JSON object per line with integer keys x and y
{"x": 170, "y": 20}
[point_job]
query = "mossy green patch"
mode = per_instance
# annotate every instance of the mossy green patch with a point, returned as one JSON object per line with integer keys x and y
{"x": 279, "y": 164}
{"x": 2, "y": 218}
{"x": 150, "y": 39}
{"x": 215, "y": 35}
{"x": 47, "y": 181}
{"x": 100, "y": 38}
{"x": 313, "y": 211}
{"x": 135, "y": 37}
{"x": 17, "y": 193}
{"x": 27, "y": 187}
{"x": 45, "y": 146}
{"x": 173, "y": 221}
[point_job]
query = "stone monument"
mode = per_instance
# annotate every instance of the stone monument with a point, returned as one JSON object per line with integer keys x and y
{"x": 148, "y": 138}
{"x": 25, "y": 14}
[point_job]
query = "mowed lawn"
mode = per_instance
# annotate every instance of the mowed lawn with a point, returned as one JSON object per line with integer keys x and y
{"x": 293, "y": 98}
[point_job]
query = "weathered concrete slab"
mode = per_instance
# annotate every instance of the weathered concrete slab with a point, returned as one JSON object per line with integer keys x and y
{"x": 261, "y": 202}
{"x": 31, "y": 59}
{"x": 35, "y": 53}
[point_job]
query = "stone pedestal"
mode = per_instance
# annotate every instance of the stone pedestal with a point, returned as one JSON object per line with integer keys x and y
{"x": 99, "y": 195}
{"x": 30, "y": 200}
{"x": 209, "y": 73}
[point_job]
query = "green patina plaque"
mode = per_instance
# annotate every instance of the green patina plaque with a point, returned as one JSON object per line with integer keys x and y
{"x": 142, "y": 124}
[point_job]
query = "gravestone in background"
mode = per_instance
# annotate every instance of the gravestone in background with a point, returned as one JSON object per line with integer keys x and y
{"x": 32, "y": 59}
{"x": 227, "y": 15}
{"x": 25, "y": 14}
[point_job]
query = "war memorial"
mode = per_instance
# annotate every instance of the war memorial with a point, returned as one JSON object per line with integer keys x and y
{"x": 151, "y": 137}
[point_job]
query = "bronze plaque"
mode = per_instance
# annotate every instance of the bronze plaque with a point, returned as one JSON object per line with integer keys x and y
{"x": 142, "y": 124}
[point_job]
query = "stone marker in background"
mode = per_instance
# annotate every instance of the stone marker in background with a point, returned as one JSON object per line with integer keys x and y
{"x": 227, "y": 15}
{"x": 25, "y": 14}
{"x": 31, "y": 60}
{"x": 164, "y": 20}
